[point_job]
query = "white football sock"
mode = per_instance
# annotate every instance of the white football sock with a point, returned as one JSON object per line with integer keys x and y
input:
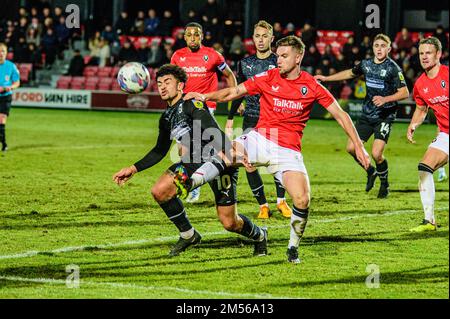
{"x": 279, "y": 200}
{"x": 427, "y": 194}
{"x": 187, "y": 234}
{"x": 204, "y": 174}
{"x": 298, "y": 225}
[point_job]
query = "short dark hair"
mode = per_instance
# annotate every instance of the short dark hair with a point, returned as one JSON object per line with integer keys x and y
{"x": 171, "y": 69}
{"x": 195, "y": 25}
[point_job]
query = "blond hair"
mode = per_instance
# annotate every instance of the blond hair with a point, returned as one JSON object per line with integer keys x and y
{"x": 3, "y": 45}
{"x": 292, "y": 41}
{"x": 264, "y": 24}
{"x": 384, "y": 37}
{"x": 433, "y": 41}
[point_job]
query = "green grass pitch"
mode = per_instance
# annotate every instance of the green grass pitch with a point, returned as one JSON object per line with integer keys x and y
{"x": 59, "y": 207}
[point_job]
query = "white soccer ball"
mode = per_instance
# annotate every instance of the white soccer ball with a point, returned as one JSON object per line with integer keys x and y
{"x": 133, "y": 77}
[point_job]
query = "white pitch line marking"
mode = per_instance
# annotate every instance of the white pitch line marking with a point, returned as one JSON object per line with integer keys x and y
{"x": 134, "y": 286}
{"x": 172, "y": 238}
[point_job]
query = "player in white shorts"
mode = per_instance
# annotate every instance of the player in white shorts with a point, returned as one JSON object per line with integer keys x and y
{"x": 287, "y": 95}
{"x": 431, "y": 91}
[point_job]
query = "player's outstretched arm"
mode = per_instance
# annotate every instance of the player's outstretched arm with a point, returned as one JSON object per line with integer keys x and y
{"x": 122, "y": 176}
{"x": 224, "y": 95}
{"x": 345, "y": 121}
{"x": 341, "y": 76}
{"x": 418, "y": 117}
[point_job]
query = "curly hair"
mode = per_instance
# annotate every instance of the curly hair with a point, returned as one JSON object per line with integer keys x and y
{"x": 174, "y": 70}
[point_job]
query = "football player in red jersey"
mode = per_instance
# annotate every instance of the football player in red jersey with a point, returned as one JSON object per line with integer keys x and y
{"x": 201, "y": 64}
{"x": 430, "y": 91}
{"x": 287, "y": 98}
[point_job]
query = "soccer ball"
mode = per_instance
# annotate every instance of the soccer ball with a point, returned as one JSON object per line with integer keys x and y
{"x": 133, "y": 77}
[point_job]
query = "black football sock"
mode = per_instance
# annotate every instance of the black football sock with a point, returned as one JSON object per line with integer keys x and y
{"x": 250, "y": 230}
{"x": 2, "y": 134}
{"x": 257, "y": 187}
{"x": 382, "y": 171}
{"x": 175, "y": 211}
{"x": 281, "y": 192}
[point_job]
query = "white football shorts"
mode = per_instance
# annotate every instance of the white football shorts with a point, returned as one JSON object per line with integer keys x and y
{"x": 277, "y": 159}
{"x": 441, "y": 142}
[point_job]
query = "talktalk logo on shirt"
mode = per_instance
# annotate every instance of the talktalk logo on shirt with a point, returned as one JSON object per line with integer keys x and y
{"x": 195, "y": 69}
{"x": 438, "y": 99}
{"x": 288, "y": 104}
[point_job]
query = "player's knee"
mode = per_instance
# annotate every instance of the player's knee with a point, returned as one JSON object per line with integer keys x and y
{"x": 377, "y": 157}
{"x": 424, "y": 168}
{"x": 301, "y": 201}
{"x": 159, "y": 193}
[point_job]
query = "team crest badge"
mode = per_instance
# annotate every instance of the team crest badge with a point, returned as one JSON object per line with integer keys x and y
{"x": 443, "y": 84}
{"x": 6, "y": 78}
{"x": 304, "y": 90}
{"x": 198, "y": 104}
{"x": 383, "y": 73}
{"x": 206, "y": 58}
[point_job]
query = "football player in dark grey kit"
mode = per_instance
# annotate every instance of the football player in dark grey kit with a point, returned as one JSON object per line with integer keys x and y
{"x": 263, "y": 60}
{"x": 193, "y": 127}
{"x": 385, "y": 86}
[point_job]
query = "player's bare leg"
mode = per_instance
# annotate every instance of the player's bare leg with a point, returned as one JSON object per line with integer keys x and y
{"x": 432, "y": 160}
{"x": 297, "y": 186}
{"x": 382, "y": 166}
{"x": 241, "y": 224}
{"x": 371, "y": 171}
{"x": 164, "y": 192}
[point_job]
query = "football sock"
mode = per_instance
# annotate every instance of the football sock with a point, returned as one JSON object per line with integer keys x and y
{"x": 250, "y": 230}
{"x": 257, "y": 187}
{"x": 207, "y": 172}
{"x": 427, "y": 192}
{"x": 280, "y": 189}
{"x": 382, "y": 172}
{"x": 175, "y": 211}
{"x": 2, "y": 134}
{"x": 299, "y": 219}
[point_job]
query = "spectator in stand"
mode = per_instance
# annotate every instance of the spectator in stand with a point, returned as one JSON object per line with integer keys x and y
{"x": 309, "y": 35}
{"x": 167, "y": 52}
{"x": 20, "y": 50}
{"x": 33, "y": 37}
{"x": 290, "y": 29}
{"x": 208, "y": 40}
{"x": 237, "y": 50}
{"x": 139, "y": 23}
{"x": 35, "y": 24}
{"x": 50, "y": 47}
{"x": 335, "y": 87}
{"x": 123, "y": 25}
{"x": 324, "y": 66}
{"x": 311, "y": 59}
{"x": 277, "y": 32}
{"x": 63, "y": 34}
{"x": 414, "y": 60}
{"x": 94, "y": 48}
{"x": 48, "y": 24}
{"x": 329, "y": 54}
{"x": 219, "y": 48}
{"x": 151, "y": 23}
{"x": 57, "y": 13}
{"x": 23, "y": 13}
{"x": 34, "y": 57}
{"x": 347, "y": 47}
{"x": 76, "y": 66}
{"x": 408, "y": 73}
{"x": 35, "y": 14}
{"x": 402, "y": 56}
{"x": 46, "y": 13}
{"x": 167, "y": 24}
{"x": 104, "y": 53}
{"x": 355, "y": 56}
{"x": 192, "y": 16}
{"x": 179, "y": 41}
{"x": 12, "y": 35}
{"x": 127, "y": 53}
{"x": 143, "y": 52}
{"x": 403, "y": 41}
{"x": 22, "y": 27}
{"x": 341, "y": 63}
{"x": 366, "y": 46}
{"x": 109, "y": 34}
{"x": 210, "y": 14}
{"x": 156, "y": 54}
{"x": 440, "y": 34}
